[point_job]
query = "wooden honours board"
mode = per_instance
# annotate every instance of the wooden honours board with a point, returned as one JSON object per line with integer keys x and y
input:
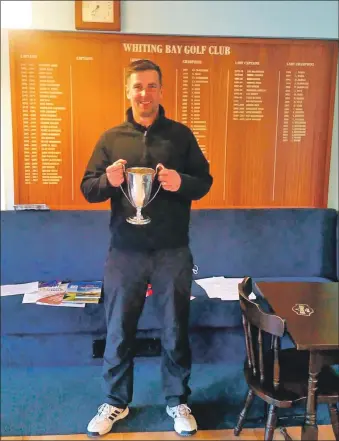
{"x": 261, "y": 110}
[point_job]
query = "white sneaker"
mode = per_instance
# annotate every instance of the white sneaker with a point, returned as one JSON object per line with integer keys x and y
{"x": 184, "y": 421}
{"x": 105, "y": 418}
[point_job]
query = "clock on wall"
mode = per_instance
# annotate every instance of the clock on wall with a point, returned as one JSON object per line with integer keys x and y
{"x": 97, "y": 15}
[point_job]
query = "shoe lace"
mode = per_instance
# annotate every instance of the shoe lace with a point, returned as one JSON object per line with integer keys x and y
{"x": 182, "y": 410}
{"x": 104, "y": 410}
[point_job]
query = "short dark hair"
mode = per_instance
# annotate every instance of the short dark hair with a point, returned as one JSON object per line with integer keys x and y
{"x": 140, "y": 66}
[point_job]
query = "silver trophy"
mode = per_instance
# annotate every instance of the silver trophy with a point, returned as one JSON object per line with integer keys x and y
{"x": 139, "y": 181}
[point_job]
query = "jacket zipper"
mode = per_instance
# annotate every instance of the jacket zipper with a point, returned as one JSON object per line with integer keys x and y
{"x": 144, "y": 154}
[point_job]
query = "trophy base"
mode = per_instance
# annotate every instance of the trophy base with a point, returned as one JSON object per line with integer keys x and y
{"x": 135, "y": 220}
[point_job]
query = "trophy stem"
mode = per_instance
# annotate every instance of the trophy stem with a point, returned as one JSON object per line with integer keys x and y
{"x": 139, "y": 215}
{"x": 138, "y": 219}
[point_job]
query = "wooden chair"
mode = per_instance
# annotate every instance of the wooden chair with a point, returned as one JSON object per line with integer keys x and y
{"x": 279, "y": 377}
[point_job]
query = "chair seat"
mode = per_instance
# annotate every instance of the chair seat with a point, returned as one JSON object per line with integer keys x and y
{"x": 293, "y": 382}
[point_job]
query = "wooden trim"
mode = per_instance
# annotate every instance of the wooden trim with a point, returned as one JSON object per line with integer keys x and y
{"x": 15, "y": 34}
{"x": 330, "y": 125}
{"x": 325, "y": 432}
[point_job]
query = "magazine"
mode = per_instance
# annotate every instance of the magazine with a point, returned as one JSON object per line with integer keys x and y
{"x": 57, "y": 299}
{"x": 52, "y": 294}
{"x": 86, "y": 292}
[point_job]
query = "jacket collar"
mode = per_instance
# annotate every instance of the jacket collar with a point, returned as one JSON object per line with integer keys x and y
{"x": 160, "y": 118}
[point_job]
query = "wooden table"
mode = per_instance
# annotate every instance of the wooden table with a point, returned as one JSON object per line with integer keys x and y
{"x": 311, "y": 314}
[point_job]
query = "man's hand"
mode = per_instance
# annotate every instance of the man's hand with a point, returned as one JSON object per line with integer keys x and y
{"x": 115, "y": 173}
{"x": 169, "y": 179}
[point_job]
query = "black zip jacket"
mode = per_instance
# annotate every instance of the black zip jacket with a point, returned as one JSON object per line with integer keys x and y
{"x": 167, "y": 142}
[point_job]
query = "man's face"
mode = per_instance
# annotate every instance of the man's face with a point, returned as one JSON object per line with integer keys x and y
{"x": 144, "y": 92}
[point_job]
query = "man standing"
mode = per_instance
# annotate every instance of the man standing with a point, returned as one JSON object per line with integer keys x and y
{"x": 156, "y": 253}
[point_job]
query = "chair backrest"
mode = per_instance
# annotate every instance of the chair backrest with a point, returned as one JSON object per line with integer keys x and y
{"x": 256, "y": 324}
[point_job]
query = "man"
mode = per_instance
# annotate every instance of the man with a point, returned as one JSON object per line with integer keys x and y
{"x": 156, "y": 253}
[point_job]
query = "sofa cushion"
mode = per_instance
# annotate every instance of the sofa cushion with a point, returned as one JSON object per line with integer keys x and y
{"x": 25, "y": 318}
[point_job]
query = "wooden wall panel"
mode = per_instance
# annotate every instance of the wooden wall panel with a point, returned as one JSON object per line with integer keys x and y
{"x": 261, "y": 109}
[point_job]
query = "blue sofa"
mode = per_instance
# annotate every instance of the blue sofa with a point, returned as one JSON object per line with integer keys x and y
{"x": 267, "y": 244}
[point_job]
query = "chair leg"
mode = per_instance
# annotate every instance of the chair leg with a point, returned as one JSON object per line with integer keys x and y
{"x": 334, "y": 415}
{"x": 265, "y": 410}
{"x": 284, "y": 433}
{"x": 244, "y": 412}
{"x": 271, "y": 423}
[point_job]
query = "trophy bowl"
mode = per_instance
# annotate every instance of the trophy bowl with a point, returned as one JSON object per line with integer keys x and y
{"x": 139, "y": 182}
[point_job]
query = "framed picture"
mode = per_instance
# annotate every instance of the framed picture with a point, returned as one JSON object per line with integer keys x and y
{"x": 99, "y": 15}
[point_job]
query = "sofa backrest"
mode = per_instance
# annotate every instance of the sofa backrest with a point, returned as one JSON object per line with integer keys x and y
{"x": 265, "y": 242}
{"x": 72, "y": 245}
{"x": 53, "y": 245}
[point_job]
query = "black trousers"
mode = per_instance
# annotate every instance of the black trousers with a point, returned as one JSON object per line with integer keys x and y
{"x": 126, "y": 276}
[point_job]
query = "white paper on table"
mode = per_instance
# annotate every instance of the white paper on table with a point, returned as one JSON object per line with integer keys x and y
{"x": 21, "y": 288}
{"x": 221, "y": 287}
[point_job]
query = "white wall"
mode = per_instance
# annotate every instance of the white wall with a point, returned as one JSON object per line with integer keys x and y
{"x": 282, "y": 19}
{"x": 304, "y": 19}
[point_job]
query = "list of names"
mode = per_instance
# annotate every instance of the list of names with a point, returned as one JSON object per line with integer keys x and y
{"x": 195, "y": 103}
{"x": 294, "y": 126}
{"x": 50, "y": 124}
{"x": 29, "y": 121}
{"x": 42, "y": 118}
{"x": 248, "y": 94}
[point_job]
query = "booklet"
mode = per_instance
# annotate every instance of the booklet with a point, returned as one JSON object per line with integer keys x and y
{"x": 57, "y": 299}
{"x": 86, "y": 292}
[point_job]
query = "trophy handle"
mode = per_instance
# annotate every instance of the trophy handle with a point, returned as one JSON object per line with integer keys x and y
{"x": 124, "y": 168}
{"x": 156, "y": 171}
